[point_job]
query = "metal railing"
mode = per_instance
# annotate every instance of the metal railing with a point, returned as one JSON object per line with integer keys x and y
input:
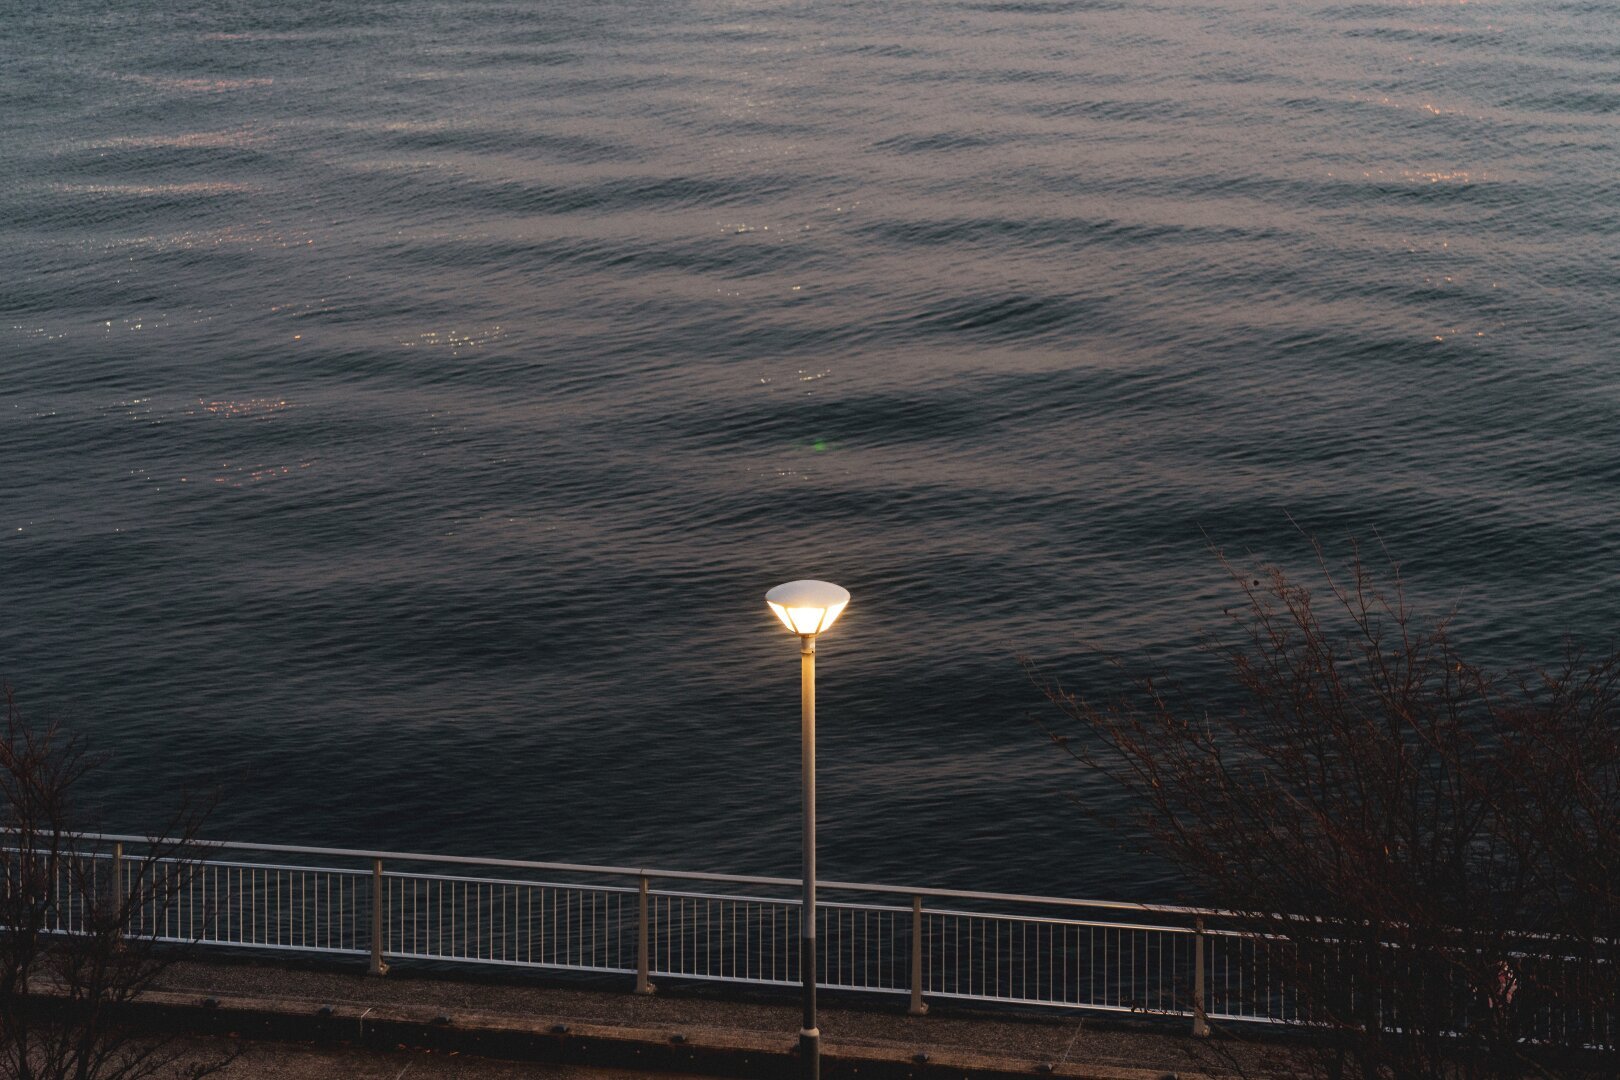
{"x": 1157, "y": 959}
{"x": 651, "y": 924}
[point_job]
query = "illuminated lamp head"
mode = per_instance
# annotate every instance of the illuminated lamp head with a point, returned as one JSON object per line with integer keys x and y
{"x": 808, "y": 607}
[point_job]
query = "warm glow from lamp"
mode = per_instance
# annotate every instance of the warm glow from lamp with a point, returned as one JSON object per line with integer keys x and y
{"x": 808, "y": 607}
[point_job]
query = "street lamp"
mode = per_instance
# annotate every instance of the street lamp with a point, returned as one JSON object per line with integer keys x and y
{"x": 807, "y": 608}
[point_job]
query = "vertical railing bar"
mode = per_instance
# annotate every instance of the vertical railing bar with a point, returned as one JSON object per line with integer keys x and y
{"x": 377, "y": 966}
{"x": 918, "y": 1005}
{"x": 865, "y": 939}
{"x": 120, "y": 897}
{"x": 1200, "y": 1025}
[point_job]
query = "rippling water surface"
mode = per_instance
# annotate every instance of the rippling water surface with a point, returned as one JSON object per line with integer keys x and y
{"x": 405, "y": 405}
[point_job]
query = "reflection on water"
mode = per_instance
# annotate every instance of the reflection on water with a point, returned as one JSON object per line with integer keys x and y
{"x": 196, "y": 86}
{"x": 198, "y": 187}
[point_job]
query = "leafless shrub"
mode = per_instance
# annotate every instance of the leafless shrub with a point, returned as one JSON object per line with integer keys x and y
{"x": 1429, "y": 854}
{"x": 71, "y": 910}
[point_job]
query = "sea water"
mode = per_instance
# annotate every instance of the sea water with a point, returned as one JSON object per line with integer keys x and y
{"x": 405, "y": 404}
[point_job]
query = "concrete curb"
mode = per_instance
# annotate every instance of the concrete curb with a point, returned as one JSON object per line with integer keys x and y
{"x": 714, "y": 1052}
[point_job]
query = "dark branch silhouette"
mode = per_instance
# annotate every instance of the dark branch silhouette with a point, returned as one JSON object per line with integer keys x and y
{"x": 1427, "y": 854}
{"x": 75, "y": 919}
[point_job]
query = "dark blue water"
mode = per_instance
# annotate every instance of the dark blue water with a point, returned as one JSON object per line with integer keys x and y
{"x": 407, "y": 404}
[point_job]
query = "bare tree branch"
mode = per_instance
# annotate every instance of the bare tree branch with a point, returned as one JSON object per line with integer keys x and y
{"x": 75, "y": 919}
{"x": 1429, "y": 853}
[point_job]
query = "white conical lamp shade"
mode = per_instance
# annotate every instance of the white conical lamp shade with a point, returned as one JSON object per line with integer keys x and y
{"x": 808, "y": 607}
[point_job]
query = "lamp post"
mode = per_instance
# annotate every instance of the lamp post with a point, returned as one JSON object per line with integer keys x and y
{"x": 807, "y": 608}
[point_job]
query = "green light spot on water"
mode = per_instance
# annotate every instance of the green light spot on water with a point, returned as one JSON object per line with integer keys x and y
{"x": 819, "y": 445}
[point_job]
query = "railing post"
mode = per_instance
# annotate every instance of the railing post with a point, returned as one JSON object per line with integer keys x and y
{"x": 918, "y": 1005}
{"x": 1200, "y": 1028}
{"x": 643, "y": 941}
{"x": 119, "y": 911}
{"x": 377, "y": 965}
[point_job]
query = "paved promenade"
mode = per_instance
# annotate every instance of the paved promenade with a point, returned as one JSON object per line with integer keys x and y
{"x": 447, "y": 1025}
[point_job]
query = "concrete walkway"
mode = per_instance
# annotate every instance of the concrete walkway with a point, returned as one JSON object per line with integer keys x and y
{"x": 695, "y": 1029}
{"x": 258, "y": 1060}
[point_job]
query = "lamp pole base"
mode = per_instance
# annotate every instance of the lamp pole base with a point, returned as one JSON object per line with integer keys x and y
{"x": 810, "y": 1053}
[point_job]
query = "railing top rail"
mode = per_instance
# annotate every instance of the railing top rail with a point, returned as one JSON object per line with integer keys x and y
{"x": 675, "y": 875}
